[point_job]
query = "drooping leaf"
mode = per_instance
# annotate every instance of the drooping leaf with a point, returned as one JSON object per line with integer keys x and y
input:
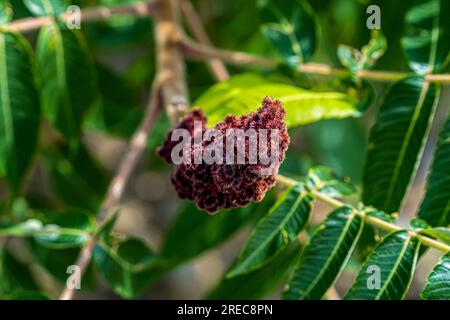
{"x": 427, "y": 32}
{"x": 68, "y": 88}
{"x": 206, "y": 231}
{"x": 243, "y": 93}
{"x": 388, "y": 270}
{"x": 117, "y": 111}
{"x": 46, "y": 7}
{"x": 280, "y": 226}
{"x": 258, "y": 283}
{"x": 15, "y": 276}
{"x": 66, "y": 231}
{"x": 127, "y": 265}
{"x": 435, "y": 207}
{"x": 6, "y": 12}
{"x": 325, "y": 256}
{"x": 323, "y": 179}
{"x": 438, "y": 282}
{"x": 78, "y": 180}
{"x": 295, "y": 36}
{"x": 396, "y": 142}
{"x": 439, "y": 233}
{"x": 19, "y": 108}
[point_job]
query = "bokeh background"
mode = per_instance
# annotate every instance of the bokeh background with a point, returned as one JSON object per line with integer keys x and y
{"x": 123, "y": 49}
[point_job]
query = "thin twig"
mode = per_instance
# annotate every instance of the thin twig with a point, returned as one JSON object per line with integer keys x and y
{"x": 116, "y": 187}
{"x": 194, "y": 23}
{"x": 141, "y": 9}
{"x": 369, "y": 219}
{"x": 198, "y": 51}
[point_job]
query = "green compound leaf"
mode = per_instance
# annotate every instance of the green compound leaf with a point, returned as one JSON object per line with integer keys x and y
{"x": 325, "y": 256}
{"x": 396, "y": 142}
{"x": 279, "y": 227}
{"x": 438, "y": 282}
{"x": 435, "y": 207}
{"x": 388, "y": 270}
{"x": 19, "y": 109}
{"x": 427, "y": 33}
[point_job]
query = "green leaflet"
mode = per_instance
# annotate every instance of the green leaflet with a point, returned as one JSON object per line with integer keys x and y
{"x": 440, "y": 233}
{"x": 438, "y": 283}
{"x": 258, "y": 283}
{"x": 427, "y": 32}
{"x": 67, "y": 79}
{"x": 127, "y": 265}
{"x": 326, "y": 255}
{"x": 279, "y": 227}
{"x": 46, "y": 7}
{"x": 392, "y": 262}
{"x": 295, "y": 37}
{"x": 435, "y": 207}
{"x": 19, "y": 108}
{"x": 243, "y": 94}
{"x": 323, "y": 179}
{"x": 396, "y": 142}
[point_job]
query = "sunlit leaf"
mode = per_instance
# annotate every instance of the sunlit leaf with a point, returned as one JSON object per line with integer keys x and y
{"x": 244, "y": 93}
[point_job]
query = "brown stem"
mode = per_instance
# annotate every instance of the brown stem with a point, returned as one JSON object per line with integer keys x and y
{"x": 194, "y": 23}
{"x": 198, "y": 51}
{"x": 141, "y": 9}
{"x": 170, "y": 60}
{"x": 116, "y": 187}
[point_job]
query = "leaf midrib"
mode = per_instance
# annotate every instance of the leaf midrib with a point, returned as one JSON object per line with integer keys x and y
{"x": 394, "y": 269}
{"x": 280, "y": 226}
{"x": 62, "y": 79}
{"x": 6, "y": 106}
{"x": 417, "y": 110}
{"x": 331, "y": 256}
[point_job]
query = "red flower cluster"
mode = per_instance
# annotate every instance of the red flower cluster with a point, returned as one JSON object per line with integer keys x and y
{"x": 214, "y": 187}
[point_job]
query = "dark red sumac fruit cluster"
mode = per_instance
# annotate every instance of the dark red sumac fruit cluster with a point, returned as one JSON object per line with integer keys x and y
{"x": 219, "y": 186}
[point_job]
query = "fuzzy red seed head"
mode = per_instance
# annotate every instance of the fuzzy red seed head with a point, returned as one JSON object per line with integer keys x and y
{"x": 218, "y": 186}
